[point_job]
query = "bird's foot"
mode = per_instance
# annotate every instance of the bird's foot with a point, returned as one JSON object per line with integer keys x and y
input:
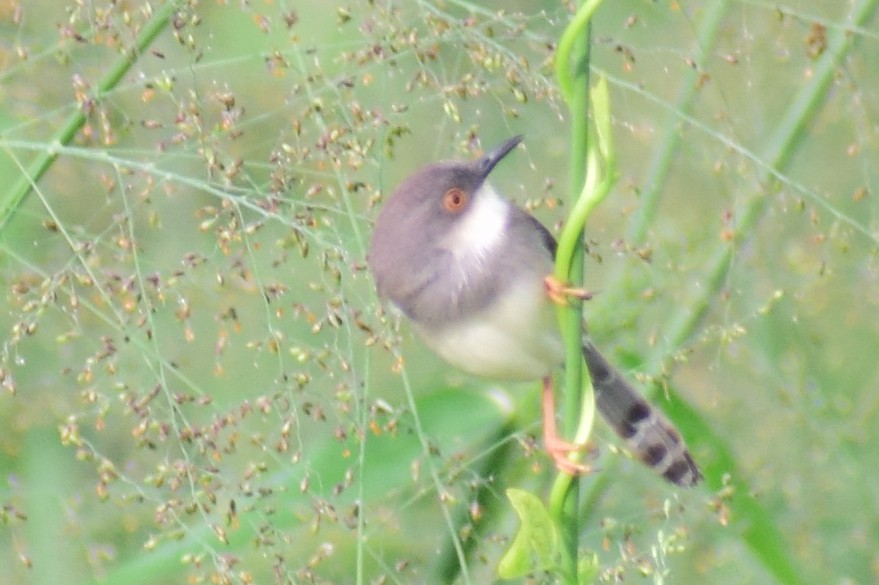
{"x": 559, "y": 450}
{"x": 561, "y": 293}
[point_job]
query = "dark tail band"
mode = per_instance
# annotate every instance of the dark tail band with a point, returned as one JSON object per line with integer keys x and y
{"x": 646, "y": 431}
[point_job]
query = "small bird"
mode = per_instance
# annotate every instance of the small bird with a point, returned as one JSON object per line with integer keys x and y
{"x": 472, "y": 271}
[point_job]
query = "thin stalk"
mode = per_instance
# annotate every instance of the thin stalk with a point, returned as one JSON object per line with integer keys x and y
{"x": 38, "y": 167}
{"x": 660, "y": 163}
{"x": 781, "y": 147}
{"x": 760, "y": 535}
{"x": 495, "y": 465}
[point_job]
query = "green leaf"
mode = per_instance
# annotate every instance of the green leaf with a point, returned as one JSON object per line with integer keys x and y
{"x": 758, "y": 528}
{"x": 587, "y": 569}
{"x": 536, "y": 545}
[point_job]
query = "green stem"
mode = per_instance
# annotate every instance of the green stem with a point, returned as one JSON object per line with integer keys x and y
{"x": 660, "y": 163}
{"x": 780, "y": 148}
{"x": 584, "y": 181}
{"x": 496, "y": 465}
{"x": 762, "y": 537}
{"x": 573, "y": 37}
{"x": 568, "y": 519}
{"x": 38, "y": 167}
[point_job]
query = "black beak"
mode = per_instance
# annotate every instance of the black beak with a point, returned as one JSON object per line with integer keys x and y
{"x": 494, "y": 156}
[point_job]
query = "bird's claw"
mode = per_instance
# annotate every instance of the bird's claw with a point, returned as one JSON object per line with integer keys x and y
{"x": 560, "y": 293}
{"x": 559, "y": 450}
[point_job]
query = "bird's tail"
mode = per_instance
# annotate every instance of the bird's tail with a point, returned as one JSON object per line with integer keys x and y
{"x": 646, "y": 431}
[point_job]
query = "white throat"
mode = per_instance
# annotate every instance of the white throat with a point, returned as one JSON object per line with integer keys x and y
{"x": 482, "y": 227}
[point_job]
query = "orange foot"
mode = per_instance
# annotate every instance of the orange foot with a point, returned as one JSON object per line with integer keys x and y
{"x": 559, "y": 292}
{"x": 558, "y": 448}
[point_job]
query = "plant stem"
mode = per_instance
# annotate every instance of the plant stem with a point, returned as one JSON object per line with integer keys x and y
{"x": 38, "y": 167}
{"x": 563, "y": 501}
{"x": 763, "y": 538}
{"x": 660, "y": 163}
{"x": 780, "y": 148}
{"x": 574, "y": 355}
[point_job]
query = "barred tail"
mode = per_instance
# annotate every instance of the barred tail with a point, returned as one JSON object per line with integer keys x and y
{"x": 646, "y": 431}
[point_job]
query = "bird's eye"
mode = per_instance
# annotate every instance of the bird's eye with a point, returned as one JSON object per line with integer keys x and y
{"x": 454, "y": 200}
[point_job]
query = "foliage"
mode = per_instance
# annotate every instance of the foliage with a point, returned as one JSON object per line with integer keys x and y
{"x": 198, "y": 383}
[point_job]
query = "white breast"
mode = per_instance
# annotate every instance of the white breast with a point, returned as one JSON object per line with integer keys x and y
{"x": 516, "y": 338}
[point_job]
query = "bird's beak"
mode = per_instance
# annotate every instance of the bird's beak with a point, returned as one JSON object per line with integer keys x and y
{"x": 494, "y": 156}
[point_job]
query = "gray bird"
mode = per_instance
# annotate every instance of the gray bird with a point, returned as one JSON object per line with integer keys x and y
{"x": 471, "y": 270}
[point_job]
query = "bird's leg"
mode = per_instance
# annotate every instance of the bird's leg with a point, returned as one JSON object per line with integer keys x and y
{"x": 558, "y": 448}
{"x": 559, "y": 292}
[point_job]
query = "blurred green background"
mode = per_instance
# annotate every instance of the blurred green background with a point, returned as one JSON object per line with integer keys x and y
{"x": 198, "y": 385}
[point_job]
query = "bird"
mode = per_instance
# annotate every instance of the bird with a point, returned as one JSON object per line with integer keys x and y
{"x": 472, "y": 272}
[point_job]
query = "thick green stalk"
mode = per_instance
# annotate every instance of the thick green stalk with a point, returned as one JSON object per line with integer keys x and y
{"x": 38, "y": 167}
{"x": 570, "y": 524}
{"x": 563, "y": 501}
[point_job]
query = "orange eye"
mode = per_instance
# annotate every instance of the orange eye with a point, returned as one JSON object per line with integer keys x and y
{"x": 454, "y": 200}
